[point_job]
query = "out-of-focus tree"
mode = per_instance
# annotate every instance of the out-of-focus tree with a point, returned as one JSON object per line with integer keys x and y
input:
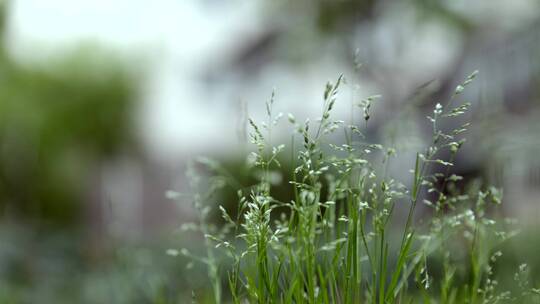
{"x": 57, "y": 121}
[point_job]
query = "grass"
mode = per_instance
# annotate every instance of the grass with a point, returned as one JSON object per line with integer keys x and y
{"x": 341, "y": 237}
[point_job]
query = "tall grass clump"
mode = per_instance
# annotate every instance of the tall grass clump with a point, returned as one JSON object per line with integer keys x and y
{"x": 348, "y": 233}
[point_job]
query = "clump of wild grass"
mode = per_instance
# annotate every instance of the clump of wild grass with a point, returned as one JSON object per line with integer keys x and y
{"x": 335, "y": 242}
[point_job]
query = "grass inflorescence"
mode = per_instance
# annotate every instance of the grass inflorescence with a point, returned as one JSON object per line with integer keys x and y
{"x": 335, "y": 239}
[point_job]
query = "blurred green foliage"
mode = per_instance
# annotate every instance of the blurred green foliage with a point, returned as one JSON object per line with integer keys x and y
{"x": 57, "y": 121}
{"x": 334, "y": 16}
{"x": 55, "y": 124}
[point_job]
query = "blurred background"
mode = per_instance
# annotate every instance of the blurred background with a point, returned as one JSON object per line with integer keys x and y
{"x": 102, "y": 104}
